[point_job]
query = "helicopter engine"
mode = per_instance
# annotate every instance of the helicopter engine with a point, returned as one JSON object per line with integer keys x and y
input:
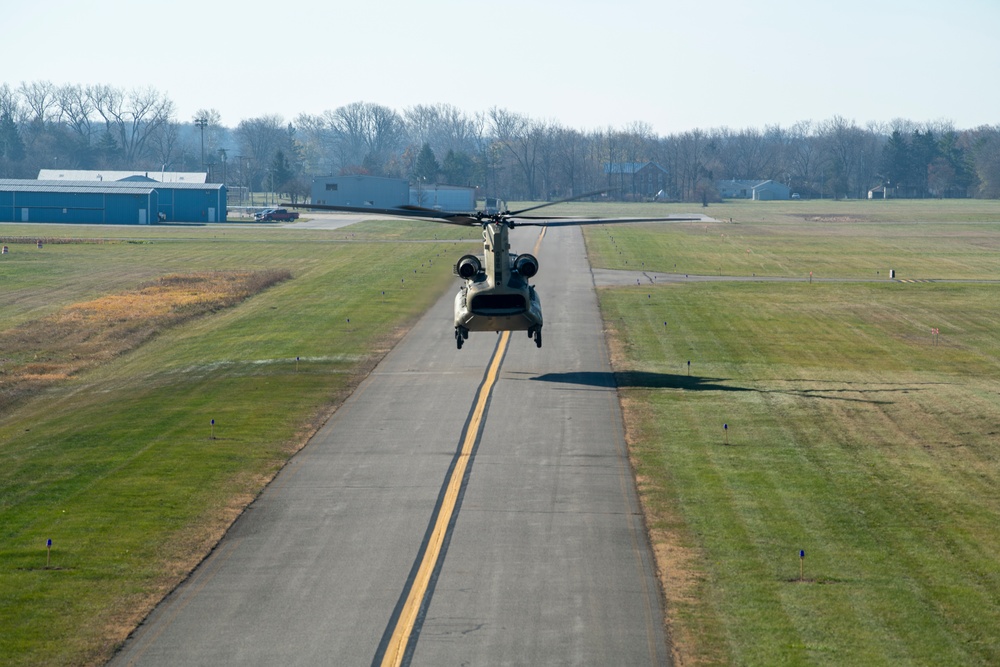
{"x": 526, "y": 265}
{"x": 468, "y": 266}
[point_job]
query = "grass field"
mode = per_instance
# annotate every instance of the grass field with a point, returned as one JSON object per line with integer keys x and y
{"x": 853, "y": 433}
{"x": 119, "y": 464}
{"x": 820, "y": 417}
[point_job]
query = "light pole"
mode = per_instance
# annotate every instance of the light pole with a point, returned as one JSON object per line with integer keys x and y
{"x": 202, "y": 122}
{"x": 239, "y": 158}
{"x": 243, "y": 174}
{"x": 224, "y": 154}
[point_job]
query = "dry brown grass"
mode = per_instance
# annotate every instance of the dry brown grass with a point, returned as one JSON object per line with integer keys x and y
{"x": 52, "y": 240}
{"x": 50, "y": 349}
{"x": 678, "y": 568}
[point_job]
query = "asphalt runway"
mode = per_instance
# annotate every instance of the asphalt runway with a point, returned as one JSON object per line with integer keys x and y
{"x": 326, "y": 220}
{"x": 470, "y": 507}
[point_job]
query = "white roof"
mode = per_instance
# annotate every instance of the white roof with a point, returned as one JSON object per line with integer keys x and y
{"x": 109, "y": 175}
{"x": 27, "y": 185}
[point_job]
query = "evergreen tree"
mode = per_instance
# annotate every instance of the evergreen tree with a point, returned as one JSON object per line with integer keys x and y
{"x": 11, "y": 145}
{"x": 923, "y": 151}
{"x": 281, "y": 171}
{"x": 108, "y": 149}
{"x": 895, "y": 161}
{"x": 458, "y": 168}
{"x": 426, "y": 168}
{"x": 960, "y": 163}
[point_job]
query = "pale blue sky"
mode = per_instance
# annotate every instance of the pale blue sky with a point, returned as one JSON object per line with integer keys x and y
{"x": 676, "y": 65}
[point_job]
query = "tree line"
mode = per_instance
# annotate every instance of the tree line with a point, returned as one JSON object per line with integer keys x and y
{"x": 501, "y": 152}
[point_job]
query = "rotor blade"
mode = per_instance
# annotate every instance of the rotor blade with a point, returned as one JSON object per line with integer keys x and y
{"x": 400, "y": 212}
{"x": 558, "y": 201}
{"x": 547, "y": 217}
{"x": 568, "y": 222}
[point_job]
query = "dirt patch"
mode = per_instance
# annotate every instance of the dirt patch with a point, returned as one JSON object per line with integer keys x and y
{"x": 50, "y": 349}
{"x": 41, "y": 241}
{"x": 836, "y": 218}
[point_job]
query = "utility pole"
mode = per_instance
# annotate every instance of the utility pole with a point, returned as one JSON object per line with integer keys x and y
{"x": 239, "y": 163}
{"x": 202, "y": 122}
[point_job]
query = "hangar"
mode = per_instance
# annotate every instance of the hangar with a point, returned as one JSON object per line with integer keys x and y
{"x": 130, "y": 202}
{"x": 444, "y": 197}
{"x": 378, "y": 192}
{"x": 359, "y": 190}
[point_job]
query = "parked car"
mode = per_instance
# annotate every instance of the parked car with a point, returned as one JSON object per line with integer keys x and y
{"x": 275, "y": 215}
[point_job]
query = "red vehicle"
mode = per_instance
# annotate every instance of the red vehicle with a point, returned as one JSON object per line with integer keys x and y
{"x": 276, "y": 215}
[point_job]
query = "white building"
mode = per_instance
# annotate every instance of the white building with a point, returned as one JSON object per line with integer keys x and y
{"x": 756, "y": 190}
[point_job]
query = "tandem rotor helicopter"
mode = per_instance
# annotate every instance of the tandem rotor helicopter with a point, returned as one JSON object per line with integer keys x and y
{"x": 496, "y": 295}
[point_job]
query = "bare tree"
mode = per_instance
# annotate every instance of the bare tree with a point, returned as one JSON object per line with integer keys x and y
{"x": 384, "y": 134}
{"x": 623, "y": 151}
{"x": 41, "y": 98}
{"x": 365, "y": 136}
{"x": 10, "y": 104}
{"x": 315, "y": 141}
{"x": 259, "y": 140}
{"x": 744, "y": 154}
{"x": 442, "y": 126}
{"x": 568, "y": 149}
{"x": 163, "y": 143}
{"x": 850, "y": 157}
{"x": 77, "y": 110}
{"x": 803, "y": 158}
{"x": 686, "y": 164}
{"x": 522, "y": 137}
{"x": 131, "y": 117}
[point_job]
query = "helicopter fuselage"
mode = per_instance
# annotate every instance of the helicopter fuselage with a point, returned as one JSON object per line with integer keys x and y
{"x": 481, "y": 307}
{"x": 496, "y": 295}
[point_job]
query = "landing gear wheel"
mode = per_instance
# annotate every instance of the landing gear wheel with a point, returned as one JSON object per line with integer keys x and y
{"x": 538, "y": 337}
{"x": 461, "y": 335}
{"x": 531, "y": 332}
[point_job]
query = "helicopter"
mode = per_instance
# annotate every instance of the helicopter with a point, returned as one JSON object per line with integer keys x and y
{"x": 496, "y": 294}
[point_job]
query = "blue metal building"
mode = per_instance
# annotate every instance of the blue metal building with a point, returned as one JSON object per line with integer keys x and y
{"x": 357, "y": 190}
{"x": 35, "y": 201}
{"x": 444, "y": 197}
{"x": 186, "y": 202}
{"x": 125, "y": 202}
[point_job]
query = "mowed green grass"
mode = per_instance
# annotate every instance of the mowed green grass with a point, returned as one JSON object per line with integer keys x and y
{"x": 849, "y": 245}
{"x": 118, "y": 466}
{"x": 853, "y": 434}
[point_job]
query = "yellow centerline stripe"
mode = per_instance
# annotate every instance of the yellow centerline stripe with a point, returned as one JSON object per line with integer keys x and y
{"x": 538, "y": 243}
{"x": 408, "y": 616}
